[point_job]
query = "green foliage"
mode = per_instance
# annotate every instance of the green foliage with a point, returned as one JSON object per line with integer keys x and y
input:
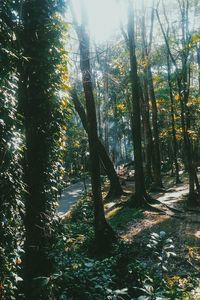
{"x": 44, "y": 105}
{"x": 77, "y": 274}
{"x": 156, "y": 284}
{"x": 120, "y": 217}
{"x": 11, "y": 155}
{"x": 76, "y": 158}
{"x": 163, "y": 248}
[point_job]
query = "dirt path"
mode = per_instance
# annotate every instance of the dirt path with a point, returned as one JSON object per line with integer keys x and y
{"x": 70, "y": 195}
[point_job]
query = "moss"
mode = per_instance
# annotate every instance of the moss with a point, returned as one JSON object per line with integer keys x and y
{"x": 120, "y": 217}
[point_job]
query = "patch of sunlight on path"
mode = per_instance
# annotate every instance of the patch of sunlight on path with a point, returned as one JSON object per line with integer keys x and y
{"x": 70, "y": 196}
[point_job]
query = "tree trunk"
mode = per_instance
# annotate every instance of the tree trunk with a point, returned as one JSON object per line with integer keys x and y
{"x": 103, "y": 232}
{"x": 115, "y": 187}
{"x": 149, "y": 92}
{"x": 198, "y": 62}
{"x": 173, "y": 122}
{"x": 140, "y": 192}
{"x": 38, "y": 109}
{"x": 156, "y": 143}
{"x": 147, "y": 135}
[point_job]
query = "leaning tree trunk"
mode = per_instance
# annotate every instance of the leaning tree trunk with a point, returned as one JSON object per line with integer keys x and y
{"x": 115, "y": 186}
{"x": 103, "y": 232}
{"x": 140, "y": 192}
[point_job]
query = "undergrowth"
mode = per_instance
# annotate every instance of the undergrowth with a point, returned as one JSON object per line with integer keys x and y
{"x": 79, "y": 275}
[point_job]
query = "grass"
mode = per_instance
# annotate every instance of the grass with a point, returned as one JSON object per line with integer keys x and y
{"x": 120, "y": 217}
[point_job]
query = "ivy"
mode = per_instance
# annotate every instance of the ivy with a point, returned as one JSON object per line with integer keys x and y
{"x": 11, "y": 155}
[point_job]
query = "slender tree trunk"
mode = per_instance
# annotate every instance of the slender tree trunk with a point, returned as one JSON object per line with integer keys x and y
{"x": 99, "y": 111}
{"x": 147, "y": 135}
{"x": 140, "y": 192}
{"x": 103, "y": 232}
{"x": 156, "y": 159}
{"x": 115, "y": 187}
{"x": 198, "y": 62}
{"x": 156, "y": 142}
{"x": 173, "y": 122}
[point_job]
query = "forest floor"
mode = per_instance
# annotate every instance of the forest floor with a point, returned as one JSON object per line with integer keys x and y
{"x": 179, "y": 223}
{"x": 132, "y": 263}
{"x": 135, "y": 226}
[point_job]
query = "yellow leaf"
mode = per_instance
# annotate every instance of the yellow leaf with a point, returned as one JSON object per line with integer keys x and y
{"x": 195, "y": 38}
{"x": 177, "y": 97}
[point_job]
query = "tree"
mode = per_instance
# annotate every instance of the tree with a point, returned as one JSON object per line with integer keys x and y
{"x": 140, "y": 192}
{"x": 148, "y": 78}
{"x": 11, "y": 152}
{"x": 103, "y": 232}
{"x": 173, "y": 121}
{"x": 43, "y": 75}
{"x": 183, "y": 86}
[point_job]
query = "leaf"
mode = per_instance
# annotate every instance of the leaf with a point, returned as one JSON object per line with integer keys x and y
{"x": 172, "y": 254}
{"x": 89, "y": 265}
{"x": 169, "y": 241}
{"x": 121, "y": 292}
{"x": 155, "y": 235}
{"x": 164, "y": 268}
{"x": 41, "y": 281}
{"x": 195, "y": 38}
{"x": 162, "y": 234}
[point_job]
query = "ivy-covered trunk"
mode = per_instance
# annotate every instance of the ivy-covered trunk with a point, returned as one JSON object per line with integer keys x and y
{"x": 11, "y": 139}
{"x": 43, "y": 120}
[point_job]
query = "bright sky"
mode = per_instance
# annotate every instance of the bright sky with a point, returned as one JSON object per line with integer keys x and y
{"x": 104, "y": 16}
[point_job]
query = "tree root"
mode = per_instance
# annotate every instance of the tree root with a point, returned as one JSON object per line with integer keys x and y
{"x": 171, "y": 208}
{"x": 113, "y": 194}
